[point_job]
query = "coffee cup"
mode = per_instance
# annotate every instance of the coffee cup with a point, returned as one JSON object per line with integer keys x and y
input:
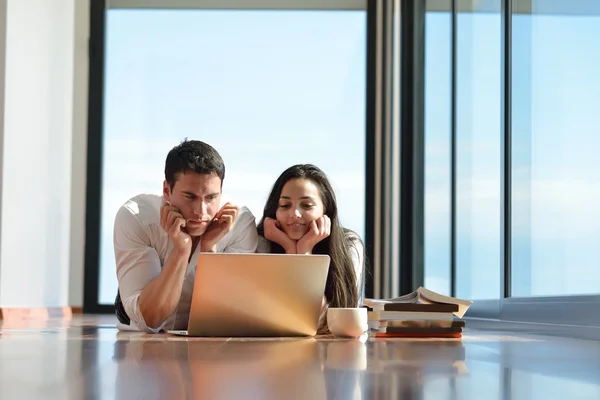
{"x": 347, "y": 322}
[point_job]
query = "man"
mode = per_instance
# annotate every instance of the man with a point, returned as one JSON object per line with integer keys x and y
{"x": 157, "y": 239}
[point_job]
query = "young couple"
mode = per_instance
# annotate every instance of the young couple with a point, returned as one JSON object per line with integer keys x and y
{"x": 157, "y": 239}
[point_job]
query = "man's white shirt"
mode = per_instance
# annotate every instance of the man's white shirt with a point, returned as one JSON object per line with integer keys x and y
{"x": 141, "y": 247}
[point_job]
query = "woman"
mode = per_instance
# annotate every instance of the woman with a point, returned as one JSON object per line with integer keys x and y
{"x": 301, "y": 217}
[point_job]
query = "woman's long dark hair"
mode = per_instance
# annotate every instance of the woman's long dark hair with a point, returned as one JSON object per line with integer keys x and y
{"x": 341, "y": 288}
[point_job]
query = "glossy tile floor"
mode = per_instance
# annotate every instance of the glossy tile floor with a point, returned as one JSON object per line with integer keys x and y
{"x": 87, "y": 358}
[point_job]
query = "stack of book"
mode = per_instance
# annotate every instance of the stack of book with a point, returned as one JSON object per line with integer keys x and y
{"x": 422, "y": 313}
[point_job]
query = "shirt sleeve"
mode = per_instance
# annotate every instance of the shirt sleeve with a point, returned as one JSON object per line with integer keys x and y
{"x": 357, "y": 252}
{"x": 137, "y": 263}
{"x": 264, "y": 246}
{"x": 244, "y": 238}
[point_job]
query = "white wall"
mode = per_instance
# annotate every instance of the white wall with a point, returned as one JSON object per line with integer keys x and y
{"x": 43, "y": 153}
{"x": 2, "y": 79}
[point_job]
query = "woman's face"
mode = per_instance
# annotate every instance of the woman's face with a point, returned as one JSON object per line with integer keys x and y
{"x": 299, "y": 204}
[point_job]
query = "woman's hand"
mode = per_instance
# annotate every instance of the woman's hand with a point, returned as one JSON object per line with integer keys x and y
{"x": 273, "y": 232}
{"x": 318, "y": 230}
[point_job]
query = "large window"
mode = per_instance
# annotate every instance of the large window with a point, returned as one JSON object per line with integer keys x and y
{"x": 268, "y": 89}
{"x": 463, "y": 98}
{"x": 523, "y": 177}
{"x": 555, "y": 146}
{"x": 510, "y": 132}
{"x": 438, "y": 131}
{"x": 478, "y": 155}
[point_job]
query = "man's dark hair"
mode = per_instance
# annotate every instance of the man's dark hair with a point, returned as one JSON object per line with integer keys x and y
{"x": 193, "y": 156}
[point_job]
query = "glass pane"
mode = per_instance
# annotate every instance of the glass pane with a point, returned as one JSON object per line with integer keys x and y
{"x": 267, "y": 89}
{"x": 478, "y": 150}
{"x": 438, "y": 52}
{"x": 556, "y": 182}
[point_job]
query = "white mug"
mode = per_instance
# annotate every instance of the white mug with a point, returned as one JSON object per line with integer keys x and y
{"x": 347, "y": 322}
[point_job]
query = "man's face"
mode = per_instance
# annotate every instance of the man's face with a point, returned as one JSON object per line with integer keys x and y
{"x": 197, "y": 196}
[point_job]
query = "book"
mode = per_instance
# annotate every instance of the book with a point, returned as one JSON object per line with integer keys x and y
{"x": 413, "y": 316}
{"x": 419, "y": 296}
{"x": 415, "y": 307}
{"x": 423, "y": 335}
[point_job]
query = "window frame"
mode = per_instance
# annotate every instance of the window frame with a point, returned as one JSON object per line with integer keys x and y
{"x": 239, "y": 4}
{"x": 390, "y": 271}
{"x": 98, "y": 11}
{"x": 565, "y": 315}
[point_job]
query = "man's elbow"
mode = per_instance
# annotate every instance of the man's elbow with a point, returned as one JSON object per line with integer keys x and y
{"x": 152, "y": 321}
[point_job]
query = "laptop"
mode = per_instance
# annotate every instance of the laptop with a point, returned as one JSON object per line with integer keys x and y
{"x": 257, "y": 295}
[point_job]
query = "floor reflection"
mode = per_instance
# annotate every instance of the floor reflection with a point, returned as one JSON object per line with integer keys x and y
{"x": 290, "y": 368}
{"x": 87, "y": 358}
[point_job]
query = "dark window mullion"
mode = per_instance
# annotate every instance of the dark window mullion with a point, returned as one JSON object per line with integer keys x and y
{"x": 506, "y": 168}
{"x": 453, "y": 151}
{"x": 412, "y": 148}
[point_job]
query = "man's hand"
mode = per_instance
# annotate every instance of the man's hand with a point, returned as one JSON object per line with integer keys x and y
{"x": 273, "y": 232}
{"x": 219, "y": 227}
{"x": 318, "y": 230}
{"x": 173, "y": 223}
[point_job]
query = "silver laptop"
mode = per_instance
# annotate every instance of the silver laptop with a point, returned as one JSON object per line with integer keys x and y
{"x": 257, "y": 295}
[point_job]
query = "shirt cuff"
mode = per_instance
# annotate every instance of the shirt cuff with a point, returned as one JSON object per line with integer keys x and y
{"x": 132, "y": 307}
